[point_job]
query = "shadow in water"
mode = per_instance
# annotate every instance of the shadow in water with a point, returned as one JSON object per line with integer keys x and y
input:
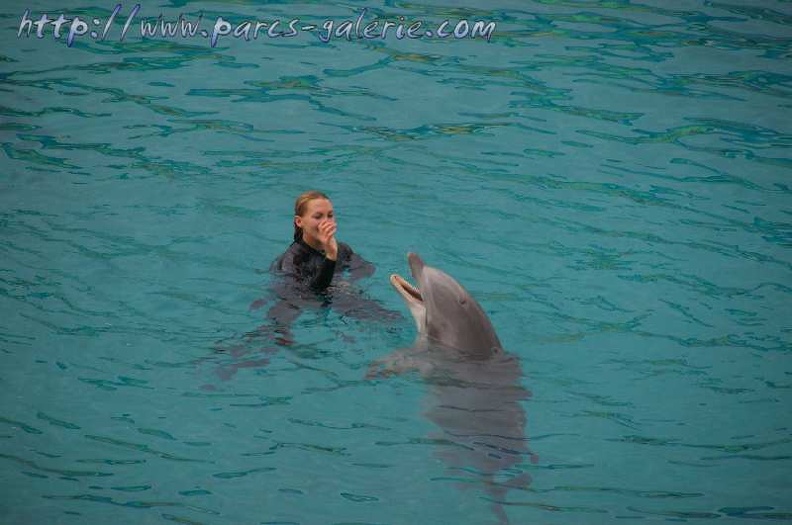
{"x": 477, "y": 406}
{"x": 284, "y": 305}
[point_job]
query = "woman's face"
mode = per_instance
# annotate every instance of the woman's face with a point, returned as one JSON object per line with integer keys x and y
{"x": 317, "y": 211}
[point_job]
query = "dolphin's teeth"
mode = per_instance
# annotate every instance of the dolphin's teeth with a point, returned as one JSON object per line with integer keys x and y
{"x": 415, "y": 292}
{"x": 404, "y": 286}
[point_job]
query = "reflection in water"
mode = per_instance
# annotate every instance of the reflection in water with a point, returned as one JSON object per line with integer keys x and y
{"x": 478, "y": 407}
{"x": 283, "y": 305}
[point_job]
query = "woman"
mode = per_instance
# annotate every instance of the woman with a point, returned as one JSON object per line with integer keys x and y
{"x": 315, "y": 256}
{"x": 308, "y": 275}
{"x": 311, "y": 271}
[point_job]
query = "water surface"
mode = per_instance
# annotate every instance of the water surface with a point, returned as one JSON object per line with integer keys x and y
{"x": 610, "y": 180}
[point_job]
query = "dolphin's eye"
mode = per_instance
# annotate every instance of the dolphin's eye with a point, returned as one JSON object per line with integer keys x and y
{"x": 462, "y": 300}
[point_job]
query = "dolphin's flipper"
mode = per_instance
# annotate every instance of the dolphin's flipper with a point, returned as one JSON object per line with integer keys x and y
{"x": 399, "y": 362}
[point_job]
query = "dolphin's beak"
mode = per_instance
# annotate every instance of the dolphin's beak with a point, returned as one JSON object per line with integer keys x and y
{"x": 413, "y": 298}
{"x": 409, "y": 293}
{"x": 416, "y": 266}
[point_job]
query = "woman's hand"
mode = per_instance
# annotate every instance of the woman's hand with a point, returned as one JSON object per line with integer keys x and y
{"x": 327, "y": 230}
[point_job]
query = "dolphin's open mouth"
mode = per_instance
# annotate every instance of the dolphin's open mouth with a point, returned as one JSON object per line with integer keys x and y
{"x": 409, "y": 292}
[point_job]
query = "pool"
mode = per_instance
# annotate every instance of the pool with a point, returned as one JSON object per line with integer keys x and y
{"x": 609, "y": 181}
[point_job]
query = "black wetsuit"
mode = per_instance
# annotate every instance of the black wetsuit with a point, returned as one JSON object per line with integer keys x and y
{"x": 305, "y": 267}
{"x": 304, "y": 279}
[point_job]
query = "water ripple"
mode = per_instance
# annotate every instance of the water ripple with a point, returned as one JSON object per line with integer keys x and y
{"x": 68, "y": 473}
{"x": 139, "y": 447}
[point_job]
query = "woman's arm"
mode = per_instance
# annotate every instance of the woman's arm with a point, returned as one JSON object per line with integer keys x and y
{"x": 359, "y": 268}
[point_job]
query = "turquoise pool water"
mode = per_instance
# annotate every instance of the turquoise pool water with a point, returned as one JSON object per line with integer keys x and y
{"x": 609, "y": 180}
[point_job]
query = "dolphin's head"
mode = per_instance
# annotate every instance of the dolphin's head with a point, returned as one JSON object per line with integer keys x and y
{"x": 445, "y": 312}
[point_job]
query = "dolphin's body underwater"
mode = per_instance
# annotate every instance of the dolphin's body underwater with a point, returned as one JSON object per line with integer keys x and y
{"x": 475, "y": 385}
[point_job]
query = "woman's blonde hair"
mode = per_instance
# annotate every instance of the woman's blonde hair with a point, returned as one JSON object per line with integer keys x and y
{"x": 301, "y": 204}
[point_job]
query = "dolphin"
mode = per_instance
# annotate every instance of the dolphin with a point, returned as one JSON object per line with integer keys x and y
{"x": 475, "y": 385}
